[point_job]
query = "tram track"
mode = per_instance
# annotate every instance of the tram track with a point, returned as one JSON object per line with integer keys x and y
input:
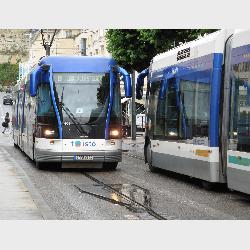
{"x": 131, "y": 202}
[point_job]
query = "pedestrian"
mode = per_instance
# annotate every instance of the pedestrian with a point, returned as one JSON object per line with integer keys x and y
{"x": 6, "y": 122}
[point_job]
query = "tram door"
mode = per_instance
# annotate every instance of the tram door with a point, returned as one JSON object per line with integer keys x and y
{"x": 238, "y": 154}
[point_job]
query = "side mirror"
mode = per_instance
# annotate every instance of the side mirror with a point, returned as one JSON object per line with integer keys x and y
{"x": 140, "y": 83}
{"x": 127, "y": 82}
{"x": 35, "y": 77}
{"x": 41, "y": 73}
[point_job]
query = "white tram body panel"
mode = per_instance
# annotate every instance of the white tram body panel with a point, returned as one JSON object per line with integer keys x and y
{"x": 78, "y": 150}
{"x": 193, "y": 157}
{"x": 212, "y": 43}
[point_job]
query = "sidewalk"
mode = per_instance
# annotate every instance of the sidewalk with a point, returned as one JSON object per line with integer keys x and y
{"x": 16, "y": 202}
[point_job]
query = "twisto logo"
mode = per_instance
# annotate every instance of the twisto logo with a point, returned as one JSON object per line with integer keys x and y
{"x": 78, "y": 144}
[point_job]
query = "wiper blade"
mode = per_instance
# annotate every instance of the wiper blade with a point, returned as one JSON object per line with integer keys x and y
{"x": 74, "y": 120}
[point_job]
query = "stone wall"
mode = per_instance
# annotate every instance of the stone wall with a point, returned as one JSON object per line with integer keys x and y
{"x": 14, "y": 45}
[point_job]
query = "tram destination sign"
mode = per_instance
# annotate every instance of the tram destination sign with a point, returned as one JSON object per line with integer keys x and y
{"x": 78, "y": 78}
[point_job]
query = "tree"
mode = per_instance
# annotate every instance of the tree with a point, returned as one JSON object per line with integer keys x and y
{"x": 134, "y": 48}
{"x": 8, "y": 73}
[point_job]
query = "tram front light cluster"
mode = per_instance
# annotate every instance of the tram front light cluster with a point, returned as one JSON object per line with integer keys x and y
{"x": 171, "y": 133}
{"x": 48, "y": 132}
{"x": 114, "y": 133}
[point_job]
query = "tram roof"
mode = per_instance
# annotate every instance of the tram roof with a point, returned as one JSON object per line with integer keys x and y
{"x": 75, "y": 64}
{"x": 211, "y": 43}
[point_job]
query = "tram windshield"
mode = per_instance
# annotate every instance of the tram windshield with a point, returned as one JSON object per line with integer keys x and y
{"x": 180, "y": 116}
{"x": 84, "y": 97}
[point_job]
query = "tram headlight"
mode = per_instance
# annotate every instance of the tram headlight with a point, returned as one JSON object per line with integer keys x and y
{"x": 235, "y": 134}
{"x": 49, "y": 132}
{"x": 114, "y": 133}
{"x": 172, "y": 133}
{"x": 46, "y": 131}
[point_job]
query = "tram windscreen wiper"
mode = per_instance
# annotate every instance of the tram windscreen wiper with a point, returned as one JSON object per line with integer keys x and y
{"x": 74, "y": 120}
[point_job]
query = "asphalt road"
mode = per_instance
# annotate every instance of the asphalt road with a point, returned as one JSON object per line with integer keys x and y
{"x": 171, "y": 195}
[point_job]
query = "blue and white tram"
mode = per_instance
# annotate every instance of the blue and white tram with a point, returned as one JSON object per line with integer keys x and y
{"x": 68, "y": 111}
{"x": 198, "y": 109}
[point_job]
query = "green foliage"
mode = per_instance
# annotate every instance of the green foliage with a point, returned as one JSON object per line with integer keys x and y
{"x": 134, "y": 48}
{"x": 8, "y": 73}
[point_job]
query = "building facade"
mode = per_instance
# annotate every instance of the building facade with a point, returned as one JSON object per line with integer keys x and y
{"x": 88, "y": 42}
{"x": 63, "y": 44}
{"x": 94, "y": 42}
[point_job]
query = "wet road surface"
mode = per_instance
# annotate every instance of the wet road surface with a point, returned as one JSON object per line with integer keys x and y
{"x": 170, "y": 195}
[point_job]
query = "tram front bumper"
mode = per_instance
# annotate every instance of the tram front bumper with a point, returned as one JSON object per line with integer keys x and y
{"x": 87, "y": 156}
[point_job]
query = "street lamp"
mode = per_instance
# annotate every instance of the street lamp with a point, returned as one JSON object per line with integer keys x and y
{"x": 48, "y": 39}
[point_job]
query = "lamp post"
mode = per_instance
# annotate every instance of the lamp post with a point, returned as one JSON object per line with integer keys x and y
{"x": 133, "y": 109}
{"x": 47, "y": 42}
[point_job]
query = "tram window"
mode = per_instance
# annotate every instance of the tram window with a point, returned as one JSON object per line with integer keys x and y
{"x": 159, "y": 131}
{"x": 195, "y": 109}
{"x": 172, "y": 113}
{"x": 45, "y": 108}
{"x": 24, "y": 108}
{"x": 152, "y": 109}
{"x": 179, "y": 116}
{"x": 27, "y": 89}
{"x": 15, "y": 104}
{"x": 240, "y": 108}
{"x": 20, "y": 108}
{"x": 116, "y": 108}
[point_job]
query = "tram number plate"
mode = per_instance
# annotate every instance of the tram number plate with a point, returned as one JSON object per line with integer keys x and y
{"x": 84, "y": 157}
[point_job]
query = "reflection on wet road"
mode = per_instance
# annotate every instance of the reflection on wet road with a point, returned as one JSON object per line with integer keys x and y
{"x": 132, "y": 195}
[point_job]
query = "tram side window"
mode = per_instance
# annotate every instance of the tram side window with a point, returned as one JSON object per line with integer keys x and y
{"x": 14, "y": 114}
{"x": 26, "y": 100}
{"x": 172, "y": 113}
{"x": 44, "y": 104}
{"x": 152, "y": 109}
{"x": 179, "y": 116}
{"x": 116, "y": 107}
{"x": 195, "y": 109}
{"x": 20, "y": 109}
{"x": 240, "y": 108}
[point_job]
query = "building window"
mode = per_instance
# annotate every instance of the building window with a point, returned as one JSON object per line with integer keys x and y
{"x": 101, "y": 32}
{"x": 83, "y": 46}
{"x": 68, "y": 33}
{"x": 102, "y": 49}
